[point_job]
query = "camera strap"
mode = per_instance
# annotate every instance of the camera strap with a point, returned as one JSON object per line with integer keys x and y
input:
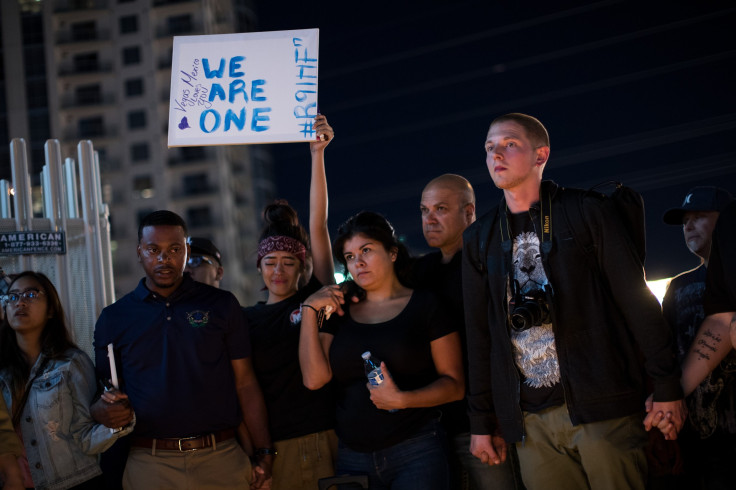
{"x": 545, "y": 226}
{"x": 543, "y": 230}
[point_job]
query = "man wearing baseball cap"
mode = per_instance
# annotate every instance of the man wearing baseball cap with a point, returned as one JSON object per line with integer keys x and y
{"x": 711, "y": 429}
{"x": 205, "y": 262}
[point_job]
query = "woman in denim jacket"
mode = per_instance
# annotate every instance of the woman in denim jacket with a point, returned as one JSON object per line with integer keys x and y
{"x": 48, "y": 385}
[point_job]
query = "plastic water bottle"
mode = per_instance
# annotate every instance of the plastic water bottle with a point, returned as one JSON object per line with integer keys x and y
{"x": 372, "y": 369}
{"x": 373, "y": 372}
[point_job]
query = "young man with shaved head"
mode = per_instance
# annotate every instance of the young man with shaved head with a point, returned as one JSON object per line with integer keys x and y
{"x": 448, "y": 208}
{"x": 556, "y": 325}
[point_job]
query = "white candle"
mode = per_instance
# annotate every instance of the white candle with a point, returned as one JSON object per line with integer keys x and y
{"x": 113, "y": 368}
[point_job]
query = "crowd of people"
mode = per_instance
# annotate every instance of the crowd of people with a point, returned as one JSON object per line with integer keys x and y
{"x": 526, "y": 352}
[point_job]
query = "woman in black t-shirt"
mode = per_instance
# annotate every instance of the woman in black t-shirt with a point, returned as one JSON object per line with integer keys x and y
{"x": 389, "y": 432}
{"x": 301, "y": 422}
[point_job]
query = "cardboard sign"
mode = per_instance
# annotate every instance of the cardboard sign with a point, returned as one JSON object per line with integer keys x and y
{"x": 230, "y": 89}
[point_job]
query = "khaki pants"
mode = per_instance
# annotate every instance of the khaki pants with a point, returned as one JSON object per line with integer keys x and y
{"x": 600, "y": 456}
{"x": 302, "y": 461}
{"x": 226, "y": 467}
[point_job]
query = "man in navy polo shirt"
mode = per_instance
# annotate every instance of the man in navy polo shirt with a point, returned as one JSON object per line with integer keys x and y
{"x": 182, "y": 353}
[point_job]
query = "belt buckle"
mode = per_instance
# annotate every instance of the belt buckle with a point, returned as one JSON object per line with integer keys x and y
{"x": 188, "y": 439}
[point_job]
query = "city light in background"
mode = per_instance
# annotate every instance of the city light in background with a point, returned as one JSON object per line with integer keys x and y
{"x": 659, "y": 287}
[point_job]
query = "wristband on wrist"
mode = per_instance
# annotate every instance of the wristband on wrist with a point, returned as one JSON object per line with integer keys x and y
{"x": 305, "y": 305}
{"x": 320, "y": 313}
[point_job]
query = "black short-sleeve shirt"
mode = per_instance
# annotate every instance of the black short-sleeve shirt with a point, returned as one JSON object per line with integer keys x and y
{"x": 403, "y": 343}
{"x": 293, "y": 410}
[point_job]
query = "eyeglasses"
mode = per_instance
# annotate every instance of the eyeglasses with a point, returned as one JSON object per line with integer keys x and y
{"x": 197, "y": 260}
{"x": 13, "y": 298}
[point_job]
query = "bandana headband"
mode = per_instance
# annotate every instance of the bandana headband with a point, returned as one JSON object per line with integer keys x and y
{"x": 281, "y": 243}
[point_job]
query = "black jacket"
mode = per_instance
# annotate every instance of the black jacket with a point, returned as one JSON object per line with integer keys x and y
{"x": 604, "y": 318}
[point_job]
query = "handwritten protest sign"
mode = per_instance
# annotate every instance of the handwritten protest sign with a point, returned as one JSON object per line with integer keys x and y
{"x": 258, "y": 87}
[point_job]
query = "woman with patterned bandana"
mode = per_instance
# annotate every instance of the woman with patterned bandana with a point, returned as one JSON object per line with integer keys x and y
{"x": 300, "y": 421}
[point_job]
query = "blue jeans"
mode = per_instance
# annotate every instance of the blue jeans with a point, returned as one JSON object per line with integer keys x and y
{"x": 417, "y": 463}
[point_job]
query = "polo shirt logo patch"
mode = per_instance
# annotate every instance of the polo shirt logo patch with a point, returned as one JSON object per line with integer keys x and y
{"x": 198, "y": 318}
{"x": 296, "y": 316}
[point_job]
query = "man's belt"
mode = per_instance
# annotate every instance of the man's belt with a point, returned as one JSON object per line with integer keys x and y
{"x": 183, "y": 444}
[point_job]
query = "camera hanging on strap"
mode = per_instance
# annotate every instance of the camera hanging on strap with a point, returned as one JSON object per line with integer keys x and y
{"x": 530, "y": 308}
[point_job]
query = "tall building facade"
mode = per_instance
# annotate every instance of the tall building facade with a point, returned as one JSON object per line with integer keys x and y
{"x": 106, "y": 77}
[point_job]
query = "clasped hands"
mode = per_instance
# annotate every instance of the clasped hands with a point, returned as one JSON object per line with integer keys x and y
{"x": 112, "y": 409}
{"x": 668, "y": 417}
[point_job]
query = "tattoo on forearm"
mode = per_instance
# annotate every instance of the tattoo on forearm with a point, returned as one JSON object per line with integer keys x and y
{"x": 710, "y": 343}
{"x": 705, "y": 345}
{"x": 701, "y": 354}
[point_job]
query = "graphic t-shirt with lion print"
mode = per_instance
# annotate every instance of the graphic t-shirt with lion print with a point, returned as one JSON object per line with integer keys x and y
{"x": 535, "y": 353}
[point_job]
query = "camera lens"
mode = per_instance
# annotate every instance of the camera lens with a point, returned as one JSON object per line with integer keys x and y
{"x": 531, "y": 312}
{"x": 521, "y": 320}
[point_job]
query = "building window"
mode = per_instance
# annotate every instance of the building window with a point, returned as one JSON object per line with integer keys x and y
{"x": 88, "y": 94}
{"x": 134, "y": 87}
{"x": 195, "y": 184}
{"x": 36, "y": 94}
{"x": 32, "y": 28}
{"x": 199, "y": 217}
{"x": 83, "y": 31}
{"x": 128, "y": 24}
{"x": 192, "y": 153}
{"x": 139, "y": 152}
{"x": 136, "y": 119}
{"x": 107, "y": 164}
{"x": 180, "y": 24}
{"x": 131, "y": 55}
{"x": 38, "y": 125}
{"x": 143, "y": 187}
{"x": 86, "y": 62}
{"x": 35, "y": 52}
{"x": 91, "y": 126}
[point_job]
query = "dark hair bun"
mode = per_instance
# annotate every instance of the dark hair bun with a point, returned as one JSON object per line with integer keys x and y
{"x": 280, "y": 212}
{"x": 281, "y": 219}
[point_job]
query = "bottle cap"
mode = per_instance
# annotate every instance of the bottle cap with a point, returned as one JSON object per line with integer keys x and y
{"x": 366, "y": 355}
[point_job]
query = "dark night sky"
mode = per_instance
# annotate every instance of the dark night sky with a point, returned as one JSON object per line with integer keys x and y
{"x": 640, "y": 92}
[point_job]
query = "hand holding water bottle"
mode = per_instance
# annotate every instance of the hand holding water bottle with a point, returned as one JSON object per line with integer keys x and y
{"x": 384, "y": 392}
